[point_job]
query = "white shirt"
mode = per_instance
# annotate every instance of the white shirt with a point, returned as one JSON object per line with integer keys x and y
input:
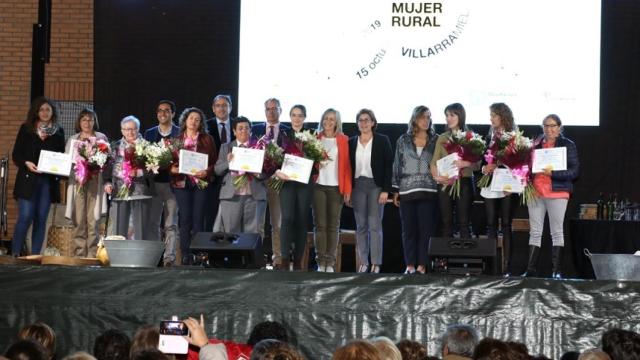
{"x": 363, "y": 159}
{"x": 227, "y": 128}
{"x": 419, "y": 150}
{"x": 329, "y": 171}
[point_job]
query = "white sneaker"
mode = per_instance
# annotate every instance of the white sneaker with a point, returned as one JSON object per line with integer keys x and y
{"x": 329, "y": 269}
{"x": 321, "y": 268}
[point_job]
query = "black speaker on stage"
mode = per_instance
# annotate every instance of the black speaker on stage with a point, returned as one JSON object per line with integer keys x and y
{"x": 471, "y": 256}
{"x": 224, "y": 250}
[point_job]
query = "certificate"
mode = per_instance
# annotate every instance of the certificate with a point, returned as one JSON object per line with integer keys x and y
{"x": 190, "y": 162}
{"x": 549, "y": 158}
{"x": 504, "y": 180}
{"x": 246, "y": 160}
{"x": 73, "y": 150}
{"x": 297, "y": 168}
{"x": 447, "y": 167}
{"x": 55, "y": 163}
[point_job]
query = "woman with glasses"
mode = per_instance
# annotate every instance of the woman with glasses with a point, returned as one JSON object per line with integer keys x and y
{"x": 554, "y": 189}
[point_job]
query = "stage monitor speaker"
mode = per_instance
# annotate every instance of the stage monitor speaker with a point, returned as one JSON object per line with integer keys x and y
{"x": 223, "y": 250}
{"x": 470, "y": 256}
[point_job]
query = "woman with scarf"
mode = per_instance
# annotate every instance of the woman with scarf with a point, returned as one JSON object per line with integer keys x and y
{"x": 190, "y": 190}
{"x": 35, "y": 191}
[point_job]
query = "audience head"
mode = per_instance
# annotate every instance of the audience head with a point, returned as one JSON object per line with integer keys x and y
{"x": 112, "y": 345}
{"x": 460, "y": 340}
{"x": 411, "y": 350}
{"x": 41, "y": 333}
{"x": 150, "y": 354}
{"x": 146, "y": 338}
{"x": 357, "y": 350}
{"x": 268, "y": 330}
{"x": 388, "y": 350}
{"x": 570, "y": 355}
{"x": 80, "y": 355}
{"x": 270, "y": 349}
{"x": 518, "y": 348}
{"x": 621, "y": 344}
{"x": 594, "y": 354}
{"x": 491, "y": 349}
{"x": 26, "y": 350}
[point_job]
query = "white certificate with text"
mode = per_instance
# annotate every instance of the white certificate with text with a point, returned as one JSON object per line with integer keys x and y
{"x": 56, "y": 163}
{"x": 246, "y": 160}
{"x": 297, "y": 168}
{"x": 447, "y": 167}
{"x": 504, "y": 180}
{"x": 549, "y": 158}
{"x": 190, "y": 162}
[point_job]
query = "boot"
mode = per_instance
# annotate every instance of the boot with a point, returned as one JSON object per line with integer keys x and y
{"x": 534, "y": 251}
{"x": 556, "y": 258}
{"x": 465, "y": 232}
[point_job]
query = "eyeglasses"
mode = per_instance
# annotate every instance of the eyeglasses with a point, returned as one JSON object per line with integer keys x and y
{"x": 271, "y": 109}
{"x": 129, "y": 129}
{"x": 550, "y": 126}
{"x": 164, "y": 111}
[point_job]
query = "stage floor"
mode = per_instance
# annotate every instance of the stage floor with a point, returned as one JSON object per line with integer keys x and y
{"x": 323, "y": 310}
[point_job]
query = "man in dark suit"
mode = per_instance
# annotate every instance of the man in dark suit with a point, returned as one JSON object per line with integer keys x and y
{"x": 277, "y": 131}
{"x": 220, "y": 128}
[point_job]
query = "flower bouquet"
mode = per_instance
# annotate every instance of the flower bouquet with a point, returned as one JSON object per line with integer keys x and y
{"x": 496, "y": 149}
{"x": 91, "y": 157}
{"x": 157, "y": 156}
{"x": 470, "y": 147}
{"x": 130, "y": 165}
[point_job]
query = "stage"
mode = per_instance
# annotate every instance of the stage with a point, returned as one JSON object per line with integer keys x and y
{"x": 323, "y": 310}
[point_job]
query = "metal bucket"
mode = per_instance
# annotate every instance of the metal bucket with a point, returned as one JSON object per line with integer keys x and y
{"x": 615, "y": 266}
{"x": 134, "y": 253}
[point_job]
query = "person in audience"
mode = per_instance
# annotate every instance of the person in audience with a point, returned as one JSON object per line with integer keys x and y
{"x": 33, "y": 189}
{"x": 570, "y": 355}
{"x": 554, "y": 188}
{"x": 164, "y": 205}
{"x": 273, "y": 130}
{"x": 494, "y": 349}
{"x": 388, "y": 350}
{"x": 79, "y": 355}
{"x": 498, "y": 203}
{"x": 411, "y": 350}
{"x": 594, "y": 354}
{"x": 277, "y": 350}
{"x": 198, "y": 338}
{"x": 456, "y": 121}
{"x": 357, "y": 350}
{"x": 262, "y": 347}
{"x": 371, "y": 165}
{"x": 295, "y": 201}
{"x": 621, "y": 344}
{"x": 138, "y": 203}
{"x": 84, "y": 207}
{"x": 220, "y": 127}
{"x": 190, "y": 190}
{"x": 42, "y": 334}
{"x": 458, "y": 342}
{"x": 518, "y": 347}
{"x": 331, "y": 190}
{"x": 415, "y": 190}
{"x": 112, "y": 344}
{"x": 241, "y": 207}
{"x": 151, "y": 354}
{"x": 27, "y": 350}
{"x": 146, "y": 338}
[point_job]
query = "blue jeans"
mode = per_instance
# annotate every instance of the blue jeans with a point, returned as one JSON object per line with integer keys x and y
{"x": 34, "y": 210}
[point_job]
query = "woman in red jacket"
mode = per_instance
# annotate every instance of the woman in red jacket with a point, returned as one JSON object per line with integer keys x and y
{"x": 331, "y": 190}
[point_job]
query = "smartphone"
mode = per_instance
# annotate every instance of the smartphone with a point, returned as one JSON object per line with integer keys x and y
{"x": 172, "y": 339}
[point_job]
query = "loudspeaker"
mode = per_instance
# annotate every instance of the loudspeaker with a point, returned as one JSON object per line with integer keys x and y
{"x": 238, "y": 251}
{"x": 463, "y": 256}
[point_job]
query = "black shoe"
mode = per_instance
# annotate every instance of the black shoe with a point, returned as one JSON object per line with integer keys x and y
{"x": 556, "y": 259}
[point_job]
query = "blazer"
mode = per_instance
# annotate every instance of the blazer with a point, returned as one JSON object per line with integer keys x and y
{"x": 258, "y": 130}
{"x": 27, "y": 148}
{"x": 205, "y": 146}
{"x": 562, "y": 180}
{"x": 227, "y": 191}
{"x": 212, "y": 127}
{"x": 345, "y": 175}
{"x": 381, "y": 160}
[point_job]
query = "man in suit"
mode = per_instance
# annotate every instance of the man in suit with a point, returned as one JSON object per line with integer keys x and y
{"x": 243, "y": 207}
{"x": 220, "y": 128}
{"x": 277, "y": 131}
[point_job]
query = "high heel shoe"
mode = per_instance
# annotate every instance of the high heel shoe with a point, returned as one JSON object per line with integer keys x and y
{"x": 363, "y": 268}
{"x": 421, "y": 269}
{"x": 375, "y": 269}
{"x": 410, "y": 270}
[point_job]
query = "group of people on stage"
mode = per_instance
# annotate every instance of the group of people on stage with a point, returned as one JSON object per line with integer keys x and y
{"x": 362, "y": 172}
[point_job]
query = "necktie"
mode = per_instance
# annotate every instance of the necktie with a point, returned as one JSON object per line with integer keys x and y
{"x": 223, "y": 134}
{"x": 272, "y": 134}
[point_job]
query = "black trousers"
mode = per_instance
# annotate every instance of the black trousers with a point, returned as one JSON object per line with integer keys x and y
{"x": 463, "y": 208}
{"x": 505, "y": 208}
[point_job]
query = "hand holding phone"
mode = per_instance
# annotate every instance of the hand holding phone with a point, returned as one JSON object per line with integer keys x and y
{"x": 172, "y": 337}
{"x": 197, "y": 334}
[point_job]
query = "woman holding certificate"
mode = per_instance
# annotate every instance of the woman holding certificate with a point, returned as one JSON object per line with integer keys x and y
{"x": 84, "y": 194}
{"x": 295, "y": 201}
{"x": 371, "y": 162}
{"x": 501, "y": 122}
{"x": 416, "y": 192}
{"x": 331, "y": 190}
{"x": 191, "y": 175}
{"x": 34, "y": 190}
{"x": 554, "y": 185}
{"x": 456, "y": 116}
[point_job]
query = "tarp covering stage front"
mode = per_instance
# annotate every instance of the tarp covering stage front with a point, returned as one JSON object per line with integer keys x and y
{"x": 322, "y": 310}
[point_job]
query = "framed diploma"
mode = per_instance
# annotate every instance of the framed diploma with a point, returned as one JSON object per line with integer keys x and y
{"x": 247, "y": 160}
{"x": 190, "y": 162}
{"x": 447, "y": 167}
{"x": 504, "y": 180}
{"x": 55, "y": 163}
{"x": 549, "y": 158}
{"x": 297, "y": 168}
